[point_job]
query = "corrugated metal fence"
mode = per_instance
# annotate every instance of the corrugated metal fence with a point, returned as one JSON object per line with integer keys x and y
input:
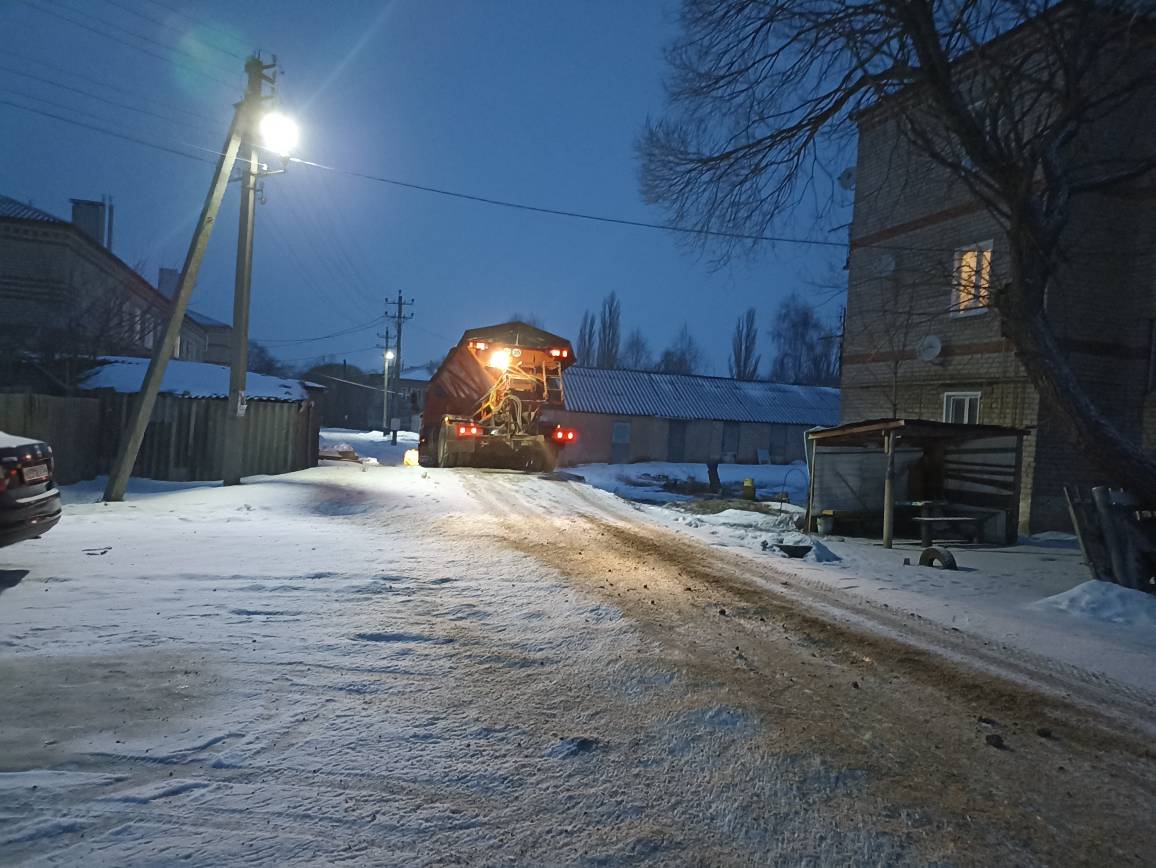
{"x": 70, "y": 425}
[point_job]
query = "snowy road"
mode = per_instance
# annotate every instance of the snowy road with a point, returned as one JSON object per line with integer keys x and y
{"x": 405, "y": 667}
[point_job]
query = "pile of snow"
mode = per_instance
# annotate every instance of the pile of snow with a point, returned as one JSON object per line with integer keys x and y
{"x": 1104, "y": 601}
{"x": 190, "y": 380}
{"x": 643, "y": 481}
{"x": 373, "y": 447}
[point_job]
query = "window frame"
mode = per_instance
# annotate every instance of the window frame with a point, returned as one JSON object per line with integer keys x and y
{"x": 956, "y": 310}
{"x": 948, "y": 397}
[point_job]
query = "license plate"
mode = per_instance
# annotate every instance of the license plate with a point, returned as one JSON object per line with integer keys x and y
{"x": 35, "y": 473}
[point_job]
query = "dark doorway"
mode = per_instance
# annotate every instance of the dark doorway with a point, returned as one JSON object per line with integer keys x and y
{"x": 676, "y": 440}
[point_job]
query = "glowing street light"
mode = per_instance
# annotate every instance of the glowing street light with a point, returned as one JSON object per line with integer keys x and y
{"x": 385, "y": 426}
{"x": 279, "y": 133}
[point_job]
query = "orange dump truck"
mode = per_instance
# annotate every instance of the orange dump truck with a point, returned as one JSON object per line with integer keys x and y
{"x": 489, "y": 403}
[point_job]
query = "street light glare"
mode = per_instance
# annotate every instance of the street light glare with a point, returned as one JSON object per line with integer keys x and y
{"x": 279, "y": 133}
{"x": 389, "y": 355}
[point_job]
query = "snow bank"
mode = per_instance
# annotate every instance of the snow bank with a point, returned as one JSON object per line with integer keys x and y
{"x": 369, "y": 444}
{"x": 190, "y": 379}
{"x": 1106, "y": 602}
{"x": 643, "y": 481}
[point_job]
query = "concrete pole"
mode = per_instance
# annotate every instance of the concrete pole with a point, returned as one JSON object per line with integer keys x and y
{"x": 143, "y": 407}
{"x": 385, "y": 395}
{"x": 889, "y": 490}
{"x": 234, "y": 456}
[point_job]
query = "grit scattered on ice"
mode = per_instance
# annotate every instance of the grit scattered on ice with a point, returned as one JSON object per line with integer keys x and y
{"x": 315, "y": 668}
{"x": 1034, "y": 596}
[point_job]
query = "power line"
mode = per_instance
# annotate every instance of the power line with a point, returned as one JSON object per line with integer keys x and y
{"x": 88, "y": 78}
{"x": 334, "y": 353}
{"x": 107, "y": 132}
{"x": 281, "y": 341}
{"x": 57, "y": 14}
{"x": 195, "y": 20}
{"x": 168, "y": 26}
{"x": 90, "y": 95}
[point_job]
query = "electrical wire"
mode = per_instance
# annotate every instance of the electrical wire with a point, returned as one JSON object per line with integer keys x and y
{"x": 282, "y": 341}
{"x": 202, "y": 22}
{"x": 57, "y": 14}
{"x": 335, "y": 353}
{"x": 168, "y": 26}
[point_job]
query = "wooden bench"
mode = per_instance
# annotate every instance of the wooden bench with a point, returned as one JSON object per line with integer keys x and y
{"x": 972, "y": 525}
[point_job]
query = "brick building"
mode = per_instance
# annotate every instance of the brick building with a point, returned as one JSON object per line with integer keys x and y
{"x": 920, "y": 341}
{"x": 64, "y": 291}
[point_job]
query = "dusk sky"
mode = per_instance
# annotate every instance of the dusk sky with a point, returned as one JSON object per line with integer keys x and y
{"x": 526, "y": 101}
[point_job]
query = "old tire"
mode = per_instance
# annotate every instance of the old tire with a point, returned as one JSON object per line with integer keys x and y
{"x": 934, "y": 556}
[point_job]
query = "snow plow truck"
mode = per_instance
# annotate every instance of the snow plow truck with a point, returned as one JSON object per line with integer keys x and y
{"x": 489, "y": 404}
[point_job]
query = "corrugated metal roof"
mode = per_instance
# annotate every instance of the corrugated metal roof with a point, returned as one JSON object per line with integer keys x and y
{"x": 684, "y": 396}
{"x": 14, "y": 209}
{"x": 190, "y": 380}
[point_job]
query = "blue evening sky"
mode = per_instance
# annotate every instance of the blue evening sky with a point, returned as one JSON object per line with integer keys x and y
{"x": 538, "y": 102}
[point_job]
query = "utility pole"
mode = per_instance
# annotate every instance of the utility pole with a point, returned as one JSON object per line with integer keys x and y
{"x": 234, "y": 454}
{"x": 387, "y": 356}
{"x": 143, "y": 407}
{"x": 399, "y": 317}
{"x": 280, "y": 137}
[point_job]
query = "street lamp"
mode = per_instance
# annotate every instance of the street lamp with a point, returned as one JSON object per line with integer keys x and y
{"x": 279, "y": 133}
{"x": 389, "y": 356}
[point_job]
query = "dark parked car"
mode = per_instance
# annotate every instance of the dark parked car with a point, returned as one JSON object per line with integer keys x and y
{"x": 29, "y": 500}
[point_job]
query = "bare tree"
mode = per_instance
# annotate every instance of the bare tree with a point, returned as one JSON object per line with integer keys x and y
{"x": 261, "y": 361}
{"x": 530, "y": 319}
{"x": 636, "y": 354}
{"x": 744, "y": 360}
{"x": 683, "y": 356}
{"x": 584, "y": 347}
{"x": 1010, "y": 97}
{"x": 806, "y": 351}
{"x": 609, "y": 331}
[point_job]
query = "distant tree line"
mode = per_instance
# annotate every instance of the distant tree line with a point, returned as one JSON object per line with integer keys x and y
{"x": 805, "y": 350}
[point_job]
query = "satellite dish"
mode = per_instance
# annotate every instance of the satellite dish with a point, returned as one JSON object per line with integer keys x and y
{"x": 929, "y": 348}
{"x": 846, "y": 178}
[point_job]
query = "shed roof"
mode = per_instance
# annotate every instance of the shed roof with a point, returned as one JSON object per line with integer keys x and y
{"x": 870, "y": 431}
{"x": 689, "y": 396}
{"x": 192, "y": 380}
{"x": 14, "y": 209}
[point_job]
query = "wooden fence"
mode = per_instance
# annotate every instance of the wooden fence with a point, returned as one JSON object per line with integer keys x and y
{"x": 184, "y": 440}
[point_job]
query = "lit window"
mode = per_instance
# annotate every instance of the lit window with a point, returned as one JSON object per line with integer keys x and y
{"x": 971, "y": 287}
{"x": 961, "y": 408}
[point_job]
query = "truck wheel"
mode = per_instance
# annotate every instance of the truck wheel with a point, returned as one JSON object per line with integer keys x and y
{"x": 549, "y": 458}
{"x": 443, "y": 452}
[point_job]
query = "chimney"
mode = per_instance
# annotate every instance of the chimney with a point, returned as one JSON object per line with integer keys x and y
{"x": 89, "y": 218}
{"x": 167, "y": 281}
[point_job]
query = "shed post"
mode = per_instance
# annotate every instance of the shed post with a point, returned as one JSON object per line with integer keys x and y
{"x": 889, "y": 490}
{"x": 812, "y": 454}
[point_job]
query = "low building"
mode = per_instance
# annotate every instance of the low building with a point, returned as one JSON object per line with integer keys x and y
{"x": 65, "y": 293}
{"x": 629, "y": 416}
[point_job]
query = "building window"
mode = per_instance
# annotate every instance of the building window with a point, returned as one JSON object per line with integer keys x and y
{"x": 961, "y": 407}
{"x": 971, "y": 284}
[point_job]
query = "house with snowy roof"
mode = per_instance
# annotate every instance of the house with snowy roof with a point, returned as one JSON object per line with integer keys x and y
{"x": 627, "y": 416}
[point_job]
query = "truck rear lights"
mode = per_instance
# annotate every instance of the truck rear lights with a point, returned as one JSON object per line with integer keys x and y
{"x": 469, "y": 430}
{"x": 565, "y": 435}
{"x": 560, "y": 354}
{"x": 478, "y": 345}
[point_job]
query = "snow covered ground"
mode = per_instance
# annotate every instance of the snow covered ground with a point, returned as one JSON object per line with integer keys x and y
{"x": 1034, "y": 596}
{"x": 370, "y": 444}
{"x": 312, "y": 668}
